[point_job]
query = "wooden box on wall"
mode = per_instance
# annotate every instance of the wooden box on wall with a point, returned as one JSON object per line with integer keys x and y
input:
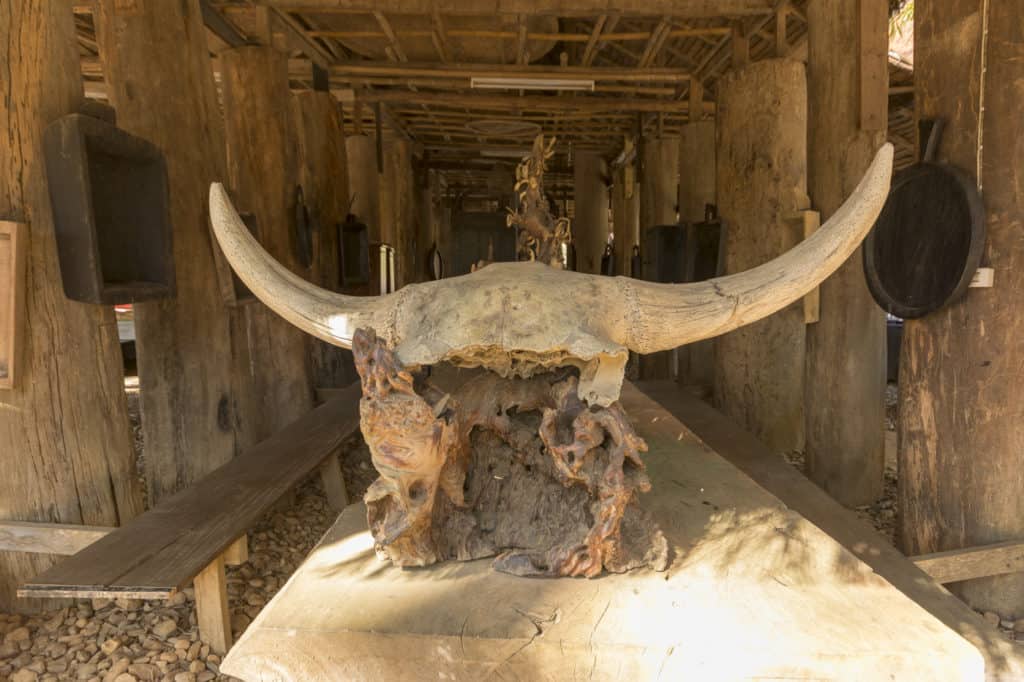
{"x": 110, "y": 201}
{"x": 13, "y": 253}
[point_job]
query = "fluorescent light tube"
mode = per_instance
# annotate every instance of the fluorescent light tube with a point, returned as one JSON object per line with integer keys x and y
{"x": 531, "y": 84}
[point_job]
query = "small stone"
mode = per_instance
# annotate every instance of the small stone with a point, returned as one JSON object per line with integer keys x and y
{"x": 120, "y": 666}
{"x": 128, "y": 604}
{"x": 1018, "y": 626}
{"x": 992, "y": 618}
{"x": 87, "y": 670}
{"x": 1006, "y": 624}
{"x": 144, "y": 672}
{"x": 164, "y": 628}
{"x": 126, "y": 677}
{"x": 185, "y": 677}
{"x": 181, "y": 643}
{"x": 17, "y": 635}
{"x": 25, "y": 675}
{"x": 193, "y": 651}
{"x": 8, "y": 650}
{"x": 110, "y": 646}
{"x": 177, "y": 599}
{"x": 101, "y": 603}
{"x": 205, "y": 676}
{"x": 196, "y": 666}
{"x": 239, "y": 622}
{"x": 57, "y": 666}
{"x": 213, "y": 658}
{"x": 169, "y": 657}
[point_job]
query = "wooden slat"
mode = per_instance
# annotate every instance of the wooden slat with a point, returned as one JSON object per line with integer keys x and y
{"x": 212, "y": 614}
{"x": 973, "y": 562}
{"x": 165, "y": 548}
{"x": 48, "y": 538}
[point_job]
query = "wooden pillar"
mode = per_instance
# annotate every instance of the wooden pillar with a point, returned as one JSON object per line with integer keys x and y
{"x": 364, "y": 182}
{"x": 961, "y": 436}
{"x": 696, "y": 190}
{"x": 261, "y": 171}
{"x": 398, "y": 208}
{"x": 159, "y": 78}
{"x": 845, "y": 379}
{"x": 625, "y": 218}
{"x": 323, "y": 175}
{"x": 65, "y": 443}
{"x": 590, "y": 222}
{"x": 659, "y": 187}
{"x": 428, "y": 228}
{"x": 762, "y": 183}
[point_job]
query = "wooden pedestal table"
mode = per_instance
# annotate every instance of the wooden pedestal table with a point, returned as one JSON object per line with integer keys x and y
{"x": 753, "y": 590}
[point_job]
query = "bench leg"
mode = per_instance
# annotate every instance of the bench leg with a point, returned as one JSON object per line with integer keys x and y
{"x": 212, "y": 613}
{"x": 238, "y": 553}
{"x": 334, "y": 483}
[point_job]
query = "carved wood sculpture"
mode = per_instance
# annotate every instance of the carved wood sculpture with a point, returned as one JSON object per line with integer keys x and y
{"x": 541, "y": 235}
{"x": 534, "y": 460}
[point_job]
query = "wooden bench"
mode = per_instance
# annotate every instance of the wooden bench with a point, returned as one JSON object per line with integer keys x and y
{"x": 189, "y": 537}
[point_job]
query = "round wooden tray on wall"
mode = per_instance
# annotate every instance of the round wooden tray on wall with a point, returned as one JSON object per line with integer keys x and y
{"x": 928, "y": 241}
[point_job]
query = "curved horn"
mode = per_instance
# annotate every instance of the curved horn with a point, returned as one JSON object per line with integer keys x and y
{"x": 324, "y": 314}
{"x": 671, "y": 315}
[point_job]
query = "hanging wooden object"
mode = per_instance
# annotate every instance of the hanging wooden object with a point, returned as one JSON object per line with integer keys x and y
{"x": 927, "y": 243}
{"x": 13, "y": 237}
{"x": 109, "y": 195}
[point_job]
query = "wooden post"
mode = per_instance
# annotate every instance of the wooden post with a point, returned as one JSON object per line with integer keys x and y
{"x": 213, "y": 616}
{"x": 364, "y": 182}
{"x": 428, "y": 228}
{"x": 960, "y": 430}
{"x": 238, "y": 553}
{"x": 625, "y": 218}
{"x": 323, "y": 175}
{"x": 333, "y": 483}
{"x": 184, "y": 344}
{"x": 271, "y": 354}
{"x": 659, "y": 189}
{"x": 65, "y": 444}
{"x": 590, "y": 223}
{"x": 696, "y": 190}
{"x": 397, "y": 208}
{"x": 845, "y": 381}
{"x": 762, "y": 181}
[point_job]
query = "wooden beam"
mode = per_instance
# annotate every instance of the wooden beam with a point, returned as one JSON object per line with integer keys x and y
{"x": 973, "y": 562}
{"x": 221, "y": 27}
{"x": 385, "y": 26}
{"x": 526, "y": 102}
{"x": 427, "y": 70}
{"x": 781, "y": 41}
{"x": 658, "y": 36}
{"x": 740, "y": 46}
{"x": 48, "y": 538}
{"x": 561, "y": 8}
{"x": 591, "y": 49}
{"x": 440, "y": 36}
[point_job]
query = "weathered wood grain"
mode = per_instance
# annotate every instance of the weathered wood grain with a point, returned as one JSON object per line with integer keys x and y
{"x": 845, "y": 379}
{"x": 65, "y": 442}
{"x": 762, "y": 181}
{"x": 271, "y": 356}
{"x": 48, "y": 538}
{"x": 159, "y": 78}
{"x": 13, "y": 252}
{"x": 960, "y": 429}
{"x": 748, "y": 575}
{"x": 973, "y": 562}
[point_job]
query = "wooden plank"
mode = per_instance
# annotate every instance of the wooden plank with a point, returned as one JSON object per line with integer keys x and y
{"x": 465, "y": 71}
{"x": 973, "y": 562}
{"x": 48, "y": 538}
{"x": 748, "y": 574}
{"x": 13, "y": 241}
{"x": 162, "y": 550}
{"x": 772, "y": 472}
{"x": 212, "y": 614}
{"x": 811, "y": 221}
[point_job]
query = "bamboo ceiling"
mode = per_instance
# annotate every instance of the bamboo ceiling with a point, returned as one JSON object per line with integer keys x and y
{"x": 649, "y": 68}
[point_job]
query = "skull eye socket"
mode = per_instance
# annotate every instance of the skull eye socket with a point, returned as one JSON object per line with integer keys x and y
{"x": 417, "y": 491}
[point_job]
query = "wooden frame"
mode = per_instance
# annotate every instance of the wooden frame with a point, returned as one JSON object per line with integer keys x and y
{"x": 13, "y": 253}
